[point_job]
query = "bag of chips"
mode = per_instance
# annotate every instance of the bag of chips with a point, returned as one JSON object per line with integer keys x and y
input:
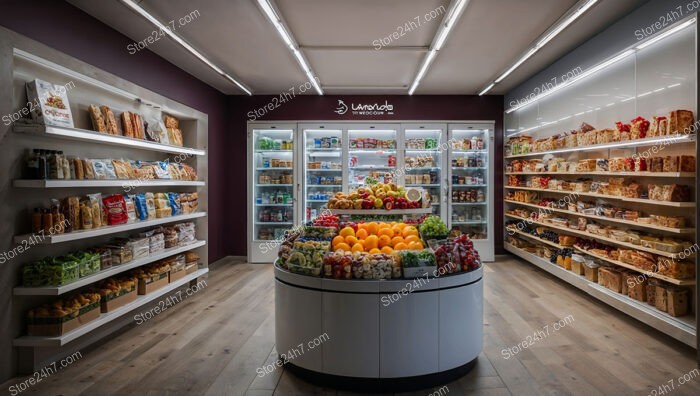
{"x": 116, "y": 209}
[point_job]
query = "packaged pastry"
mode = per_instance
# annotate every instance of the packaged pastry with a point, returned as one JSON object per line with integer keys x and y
{"x": 85, "y": 215}
{"x": 616, "y": 164}
{"x": 141, "y": 206}
{"x": 586, "y": 165}
{"x": 686, "y": 163}
{"x": 170, "y": 121}
{"x": 604, "y": 136}
{"x": 681, "y": 121}
{"x": 139, "y": 247}
{"x": 121, "y": 253}
{"x": 130, "y": 208}
{"x": 116, "y": 209}
{"x": 623, "y": 130}
{"x": 96, "y": 209}
{"x": 137, "y": 126}
{"x": 675, "y": 193}
{"x": 127, "y": 124}
{"x": 170, "y": 237}
{"x": 150, "y": 206}
{"x": 676, "y": 269}
{"x": 109, "y": 120}
{"x": 186, "y": 233}
{"x": 670, "y": 164}
{"x": 50, "y": 103}
{"x": 640, "y": 164}
{"x": 639, "y": 128}
{"x": 76, "y": 166}
{"x": 602, "y": 165}
{"x": 98, "y": 121}
{"x": 632, "y": 190}
{"x": 161, "y": 169}
{"x": 669, "y": 221}
{"x": 610, "y": 278}
{"x": 175, "y": 136}
{"x": 88, "y": 169}
{"x": 175, "y": 204}
{"x": 661, "y": 298}
{"x": 656, "y": 164}
{"x": 659, "y": 126}
{"x": 122, "y": 169}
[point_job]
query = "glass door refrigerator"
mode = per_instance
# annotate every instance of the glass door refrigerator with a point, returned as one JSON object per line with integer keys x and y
{"x": 470, "y": 180}
{"x": 425, "y": 154}
{"x": 322, "y": 173}
{"x": 371, "y": 152}
{"x": 272, "y": 192}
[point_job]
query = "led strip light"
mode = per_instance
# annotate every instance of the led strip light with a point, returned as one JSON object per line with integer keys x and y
{"x": 600, "y": 67}
{"x": 438, "y": 42}
{"x": 167, "y": 30}
{"x": 542, "y": 42}
{"x": 279, "y": 25}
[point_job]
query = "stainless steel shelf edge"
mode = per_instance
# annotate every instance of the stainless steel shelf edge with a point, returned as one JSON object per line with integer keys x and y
{"x": 650, "y": 316}
{"x": 32, "y": 341}
{"x": 117, "y": 269}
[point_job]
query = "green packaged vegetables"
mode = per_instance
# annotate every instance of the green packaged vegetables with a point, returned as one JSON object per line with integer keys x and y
{"x": 50, "y": 271}
{"x": 307, "y": 257}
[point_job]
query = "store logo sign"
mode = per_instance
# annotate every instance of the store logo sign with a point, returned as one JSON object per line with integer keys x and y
{"x": 365, "y": 109}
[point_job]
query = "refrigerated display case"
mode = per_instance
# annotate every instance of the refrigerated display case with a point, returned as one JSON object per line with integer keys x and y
{"x": 372, "y": 153}
{"x": 322, "y": 173}
{"x": 470, "y": 192}
{"x": 273, "y": 194}
{"x": 424, "y": 156}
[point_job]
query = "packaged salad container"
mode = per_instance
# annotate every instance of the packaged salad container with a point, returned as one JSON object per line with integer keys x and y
{"x": 50, "y": 271}
{"x": 418, "y": 263}
{"x": 88, "y": 263}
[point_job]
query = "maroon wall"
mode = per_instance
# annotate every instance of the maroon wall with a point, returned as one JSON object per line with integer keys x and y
{"x": 70, "y": 30}
{"x": 317, "y": 108}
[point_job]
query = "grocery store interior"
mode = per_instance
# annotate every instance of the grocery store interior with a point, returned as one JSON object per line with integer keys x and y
{"x": 307, "y": 197}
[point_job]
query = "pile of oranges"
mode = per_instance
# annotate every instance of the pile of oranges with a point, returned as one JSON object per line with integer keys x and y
{"x": 375, "y": 238}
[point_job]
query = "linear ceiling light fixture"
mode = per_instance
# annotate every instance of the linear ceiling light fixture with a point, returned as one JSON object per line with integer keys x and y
{"x": 553, "y": 32}
{"x": 439, "y": 40}
{"x": 279, "y": 25}
{"x": 167, "y": 30}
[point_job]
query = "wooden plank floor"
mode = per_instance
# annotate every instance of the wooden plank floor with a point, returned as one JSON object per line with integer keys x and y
{"x": 213, "y": 342}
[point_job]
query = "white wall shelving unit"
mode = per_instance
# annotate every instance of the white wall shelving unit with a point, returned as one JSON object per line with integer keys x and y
{"x": 639, "y": 83}
{"x": 25, "y": 60}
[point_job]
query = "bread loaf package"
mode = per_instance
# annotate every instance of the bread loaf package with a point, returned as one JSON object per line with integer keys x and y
{"x": 678, "y": 301}
{"x": 686, "y": 163}
{"x": 661, "y": 298}
{"x": 127, "y": 124}
{"x": 676, "y": 269}
{"x": 681, "y": 122}
{"x": 175, "y": 136}
{"x": 171, "y": 122}
{"x": 110, "y": 120}
{"x": 610, "y": 278}
{"x": 675, "y": 193}
{"x": 98, "y": 122}
{"x": 637, "y": 286}
{"x": 670, "y": 163}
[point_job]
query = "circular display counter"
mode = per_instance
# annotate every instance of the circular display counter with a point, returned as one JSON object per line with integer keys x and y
{"x": 379, "y": 335}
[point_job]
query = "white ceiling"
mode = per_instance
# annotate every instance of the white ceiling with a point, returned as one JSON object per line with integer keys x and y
{"x": 336, "y": 37}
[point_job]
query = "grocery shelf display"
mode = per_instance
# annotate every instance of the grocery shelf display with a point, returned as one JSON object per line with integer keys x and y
{"x": 323, "y": 172}
{"x": 470, "y": 181}
{"x": 273, "y": 190}
{"x": 102, "y": 204}
{"x": 424, "y": 155}
{"x": 600, "y": 183}
{"x": 372, "y": 153}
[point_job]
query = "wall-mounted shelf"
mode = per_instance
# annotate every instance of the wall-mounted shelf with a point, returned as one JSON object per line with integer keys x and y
{"x": 108, "y": 230}
{"x": 610, "y": 174}
{"x": 104, "y": 274}
{"x": 35, "y": 341}
{"x": 615, "y": 197}
{"x": 102, "y": 138}
{"x": 125, "y": 183}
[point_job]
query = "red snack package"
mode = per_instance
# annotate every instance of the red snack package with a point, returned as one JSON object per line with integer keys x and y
{"x": 116, "y": 209}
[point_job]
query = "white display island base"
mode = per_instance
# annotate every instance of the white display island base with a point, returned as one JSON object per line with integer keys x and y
{"x": 379, "y": 335}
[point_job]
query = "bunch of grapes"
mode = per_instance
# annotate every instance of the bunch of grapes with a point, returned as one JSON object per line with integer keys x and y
{"x": 433, "y": 228}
